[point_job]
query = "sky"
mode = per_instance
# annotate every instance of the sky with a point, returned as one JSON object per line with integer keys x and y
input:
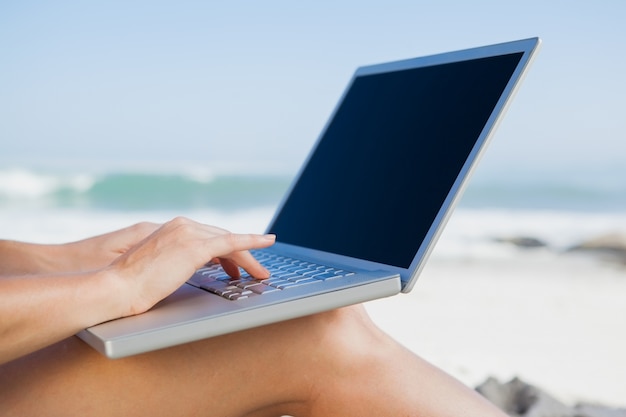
{"x": 249, "y": 85}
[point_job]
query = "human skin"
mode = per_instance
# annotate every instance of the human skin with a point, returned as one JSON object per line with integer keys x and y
{"x": 337, "y": 363}
{"x": 106, "y": 277}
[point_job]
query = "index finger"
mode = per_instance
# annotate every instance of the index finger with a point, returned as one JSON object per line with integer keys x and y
{"x": 247, "y": 261}
{"x": 232, "y": 249}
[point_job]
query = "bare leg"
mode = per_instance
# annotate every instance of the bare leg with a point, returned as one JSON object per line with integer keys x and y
{"x": 331, "y": 364}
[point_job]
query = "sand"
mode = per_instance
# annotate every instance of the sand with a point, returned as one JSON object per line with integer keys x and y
{"x": 557, "y": 321}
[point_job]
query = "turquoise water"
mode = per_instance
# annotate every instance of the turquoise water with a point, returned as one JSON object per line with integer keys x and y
{"x": 139, "y": 191}
{"x": 551, "y": 195}
{"x": 145, "y": 190}
{"x": 125, "y": 191}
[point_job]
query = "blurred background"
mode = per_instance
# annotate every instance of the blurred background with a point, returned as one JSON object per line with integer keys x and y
{"x": 116, "y": 112}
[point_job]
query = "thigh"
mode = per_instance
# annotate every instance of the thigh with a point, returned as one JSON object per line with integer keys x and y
{"x": 334, "y": 363}
{"x": 231, "y": 375}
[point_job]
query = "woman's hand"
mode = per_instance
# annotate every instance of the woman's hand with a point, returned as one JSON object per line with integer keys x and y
{"x": 99, "y": 251}
{"x": 77, "y": 285}
{"x": 159, "y": 264}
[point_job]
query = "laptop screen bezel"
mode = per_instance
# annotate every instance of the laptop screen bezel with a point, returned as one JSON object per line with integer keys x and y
{"x": 408, "y": 276}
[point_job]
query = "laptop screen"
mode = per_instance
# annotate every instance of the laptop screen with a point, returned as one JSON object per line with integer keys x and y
{"x": 389, "y": 157}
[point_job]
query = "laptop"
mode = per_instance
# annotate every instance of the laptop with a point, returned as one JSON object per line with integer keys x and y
{"x": 366, "y": 207}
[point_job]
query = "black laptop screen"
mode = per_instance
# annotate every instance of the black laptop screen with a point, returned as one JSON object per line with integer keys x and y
{"x": 389, "y": 157}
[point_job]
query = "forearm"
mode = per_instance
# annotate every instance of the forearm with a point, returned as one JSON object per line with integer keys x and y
{"x": 115, "y": 275}
{"x": 39, "y": 310}
{"x": 20, "y": 258}
{"x": 41, "y": 304}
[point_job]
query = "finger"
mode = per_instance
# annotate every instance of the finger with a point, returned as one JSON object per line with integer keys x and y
{"x": 249, "y": 263}
{"x": 230, "y": 268}
{"x": 234, "y": 247}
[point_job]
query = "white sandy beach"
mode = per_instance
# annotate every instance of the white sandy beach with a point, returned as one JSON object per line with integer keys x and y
{"x": 555, "y": 321}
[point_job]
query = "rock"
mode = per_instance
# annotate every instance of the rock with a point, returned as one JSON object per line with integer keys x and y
{"x": 523, "y": 241}
{"x": 520, "y": 399}
{"x": 615, "y": 241}
{"x": 612, "y": 245}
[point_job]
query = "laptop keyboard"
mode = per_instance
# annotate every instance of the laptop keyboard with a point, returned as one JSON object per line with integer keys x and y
{"x": 285, "y": 273}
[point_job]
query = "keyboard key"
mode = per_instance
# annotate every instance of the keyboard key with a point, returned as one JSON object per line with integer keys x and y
{"x": 286, "y": 273}
{"x": 263, "y": 289}
{"x": 324, "y": 276}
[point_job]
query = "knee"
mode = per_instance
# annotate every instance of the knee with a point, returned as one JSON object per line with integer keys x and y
{"x": 349, "y": 340}
{"x": 352, "y": 362}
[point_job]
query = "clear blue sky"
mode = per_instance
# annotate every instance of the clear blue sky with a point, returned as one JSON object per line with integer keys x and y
{"x": 252, "y": 83}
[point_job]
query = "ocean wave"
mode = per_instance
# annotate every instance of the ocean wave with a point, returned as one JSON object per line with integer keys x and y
{"x": 24, "y": 184}
{"x": 193, "y": 187}
{"x": 139, "y": 190}
{"x": 547, "y": 194}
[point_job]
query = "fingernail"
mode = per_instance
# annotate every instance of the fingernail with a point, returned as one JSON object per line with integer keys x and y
{"x": 270, "y": 237}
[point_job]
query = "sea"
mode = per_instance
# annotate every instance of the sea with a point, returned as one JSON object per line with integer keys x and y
{"x": 64, "y": 203}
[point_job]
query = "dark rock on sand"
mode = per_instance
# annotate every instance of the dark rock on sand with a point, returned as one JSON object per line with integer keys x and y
{"x": 523, "y": 241}
{"x": 611, "y": 246}
{"x": 520, "y": 399}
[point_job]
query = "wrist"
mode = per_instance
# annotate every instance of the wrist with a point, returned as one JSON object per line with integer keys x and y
{"x": 107, "y": 295}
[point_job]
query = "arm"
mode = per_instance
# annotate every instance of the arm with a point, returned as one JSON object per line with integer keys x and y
{"x": 37, "y": 310}
{"x": 21, "y": 258}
